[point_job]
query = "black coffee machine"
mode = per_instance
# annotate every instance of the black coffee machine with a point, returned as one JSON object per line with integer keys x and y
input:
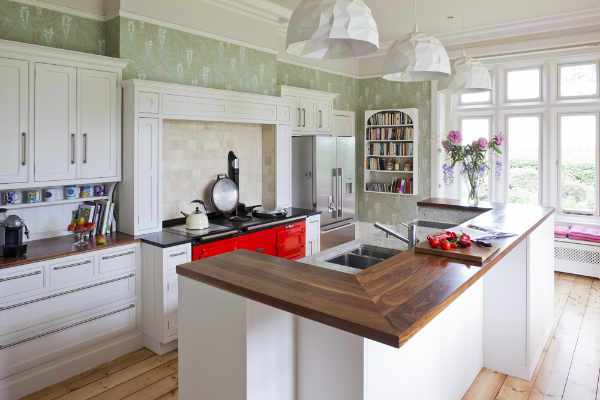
{"x": 12, "y": 230}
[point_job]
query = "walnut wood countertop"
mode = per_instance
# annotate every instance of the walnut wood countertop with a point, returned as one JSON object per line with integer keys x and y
{"x": 56, "y": 247}
{"x": 389, "y": 302}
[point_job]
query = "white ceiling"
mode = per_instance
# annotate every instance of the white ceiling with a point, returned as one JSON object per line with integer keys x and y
{"x": 395, "y": 17}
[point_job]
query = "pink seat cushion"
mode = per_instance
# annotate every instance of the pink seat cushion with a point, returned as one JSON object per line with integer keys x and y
{"x": 561, "y": 231}
{"x": 587, "y": 233}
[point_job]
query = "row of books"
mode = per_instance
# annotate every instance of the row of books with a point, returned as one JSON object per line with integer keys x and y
{"x": 101, "y": 213}
{"x": 400, "y": 185}
{"x": 390, "y": 118}
{"x": 391, "y": 149}
{"x": 396, "y": 133}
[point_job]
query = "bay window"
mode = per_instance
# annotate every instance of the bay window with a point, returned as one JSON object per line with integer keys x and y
{"x": 548, "y": 108}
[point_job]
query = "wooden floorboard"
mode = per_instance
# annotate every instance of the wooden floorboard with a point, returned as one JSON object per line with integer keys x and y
{"x": 569, "y": 368}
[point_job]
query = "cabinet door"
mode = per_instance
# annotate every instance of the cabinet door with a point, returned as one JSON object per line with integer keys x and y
{"x": 55, "y": 123}
{"x": 260, "y": 242}
{"x": 343, "y": 125}
{"x": 147, "y": 169}
{"x": 14, "y": 109}
{"x": 313, "y": 235}
{"x": 324, "y": 110}
{"x": 296, "y": 112}
{"x": 308, "y": 108}
{"x": 214, "y": 248}
{"x": 98, "y": 131}
{"x": 291, "y": 241}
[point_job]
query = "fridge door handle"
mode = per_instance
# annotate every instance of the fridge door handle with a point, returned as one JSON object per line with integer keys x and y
{"x": 340, "y": 192}
{"x": 333, "y": 196}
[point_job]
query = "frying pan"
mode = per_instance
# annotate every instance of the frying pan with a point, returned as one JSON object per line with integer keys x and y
{"x": 225, "y": 195}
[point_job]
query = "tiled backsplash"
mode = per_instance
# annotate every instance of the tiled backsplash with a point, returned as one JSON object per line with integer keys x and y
{"x": 194, "y": 153}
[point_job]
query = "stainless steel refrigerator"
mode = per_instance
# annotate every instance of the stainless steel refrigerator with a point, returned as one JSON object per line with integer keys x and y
{"x": 323, "y": 177}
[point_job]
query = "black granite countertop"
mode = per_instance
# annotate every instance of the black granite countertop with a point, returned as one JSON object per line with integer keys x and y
{"x": 166, "y": 238}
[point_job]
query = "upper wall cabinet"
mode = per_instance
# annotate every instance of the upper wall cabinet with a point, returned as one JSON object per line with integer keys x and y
{"x": 61, "y": 112}
{"x": 312, "y": 110}
{"x": 14, "y": 114}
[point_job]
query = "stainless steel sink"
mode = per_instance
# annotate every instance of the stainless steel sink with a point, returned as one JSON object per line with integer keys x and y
{"x": 364, "y": 256}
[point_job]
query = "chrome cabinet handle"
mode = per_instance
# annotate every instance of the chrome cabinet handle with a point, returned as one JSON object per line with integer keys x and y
{"x": 177, "y": 254}
{"x": 24, "y": 150}
{"x": 72, "y": 148}
{"x": 299, "y": 117}
{"x": 341, "y": 192}
{"x": 304, "y": 117}
{"x": 64, "y": 328}
{"x": 118, "y": 255}
{"x": 85, "y": 148}
{"x": 52, "y": 296}
{"x": 320, "y": 119}
{"x": 58, "y": 268}
{"x": 11, "y": 278}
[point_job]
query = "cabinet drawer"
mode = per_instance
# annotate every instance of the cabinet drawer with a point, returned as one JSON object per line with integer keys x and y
{"x": 53, "y": 307}
{"x": 147, "y": 102}
{"x": 21, "y": 280}
{"x": 176, "y": 256}
{"x": 118, "y": 260}
{"x": 72, "y": 272}
{"x": 20, "y": 353}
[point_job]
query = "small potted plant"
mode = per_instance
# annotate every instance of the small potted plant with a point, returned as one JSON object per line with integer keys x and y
{"x": 472, "y": 157}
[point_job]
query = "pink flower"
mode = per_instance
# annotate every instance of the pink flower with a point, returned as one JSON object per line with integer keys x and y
{"x": 483, "y": 143}
{"x": 446, "y": 145}
{"x": 499, "y": 139}
{"x": 455, "y": 137}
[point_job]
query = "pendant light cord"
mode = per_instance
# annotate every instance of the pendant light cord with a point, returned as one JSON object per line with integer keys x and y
{"x": 415, "y": 15}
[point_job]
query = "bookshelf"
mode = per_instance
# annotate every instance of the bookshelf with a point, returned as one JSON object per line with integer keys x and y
{"x": 391, "y": 151}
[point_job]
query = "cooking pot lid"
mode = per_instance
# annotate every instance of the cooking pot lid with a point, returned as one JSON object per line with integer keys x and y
{"x": 225, "y": 194}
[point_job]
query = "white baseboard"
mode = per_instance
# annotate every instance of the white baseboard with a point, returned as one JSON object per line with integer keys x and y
{"x": 32, "y": 380}
{"x": 158, "y": 347}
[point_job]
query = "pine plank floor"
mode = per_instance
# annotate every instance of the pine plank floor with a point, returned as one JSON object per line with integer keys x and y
{"x": 569, "y": 369}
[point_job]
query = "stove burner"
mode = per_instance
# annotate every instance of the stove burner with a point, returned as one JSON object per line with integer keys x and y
{"x": 239, "y": 218}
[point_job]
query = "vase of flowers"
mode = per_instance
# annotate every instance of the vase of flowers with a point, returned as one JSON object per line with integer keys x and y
{"x": 473, "y": 159}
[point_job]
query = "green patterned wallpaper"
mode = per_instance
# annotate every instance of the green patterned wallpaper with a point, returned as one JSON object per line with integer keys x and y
{"x": 347, "y": 88}
{"x": 36, "y": 25}
{"x": 168, "y": 55}
{"x": 378, "y": 94}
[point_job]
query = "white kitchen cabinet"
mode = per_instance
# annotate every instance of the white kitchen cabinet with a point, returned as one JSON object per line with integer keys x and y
{"x": 161, "y": 294}
{"x": 313, "y": 235}
{"x": 14, "y": 114}
{"x": 147, "y": 168}
{"x": 97, "y": 123}
{"x": 63, "y": 316}
{"x": 344, "y": 123}
{"x": 312, "y": 110}
{"x": 323, "y": 116}
{"x": 55, "y": 117}
{"x": 61, "y": 116}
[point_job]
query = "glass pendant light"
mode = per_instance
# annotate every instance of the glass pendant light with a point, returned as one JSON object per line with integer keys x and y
{"x": 421, "y": 57}
{"x": 332, "y": 29}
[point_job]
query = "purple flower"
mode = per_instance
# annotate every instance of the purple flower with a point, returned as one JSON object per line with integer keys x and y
{"x": 448, "y": 172}
{"x": 499, "y": 166}
{"x": 483, "y": 169}
{"x": 483, "y": 143}
{"x": 455, "y": 137}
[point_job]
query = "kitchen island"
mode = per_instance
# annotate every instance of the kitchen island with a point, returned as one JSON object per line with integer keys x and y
{"x": 412, "y": 326}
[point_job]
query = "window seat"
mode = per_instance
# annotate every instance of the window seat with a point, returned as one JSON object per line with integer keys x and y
{"x": 577, "y": 249}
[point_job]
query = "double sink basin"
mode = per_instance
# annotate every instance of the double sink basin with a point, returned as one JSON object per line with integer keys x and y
{"x": 364, "y": 256}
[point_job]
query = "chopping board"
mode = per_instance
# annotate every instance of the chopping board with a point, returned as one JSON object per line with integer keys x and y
{"x": 473, "y": 255}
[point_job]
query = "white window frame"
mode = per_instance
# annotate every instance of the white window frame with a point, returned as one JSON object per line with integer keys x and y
{"x": 541, "y": 146}
{"x": 571, "y": 64}
{"x": 560, "y": 209}
{"x": 449, "y": 111}
{"x": 538, "y": 99}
